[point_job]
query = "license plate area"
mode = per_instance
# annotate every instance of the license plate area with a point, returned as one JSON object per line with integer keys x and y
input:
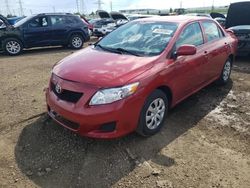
{"x": 64, "y": 121}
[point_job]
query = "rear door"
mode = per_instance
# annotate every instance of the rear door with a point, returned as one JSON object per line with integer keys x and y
{"x": 38, "y": 32}
{"x": 217, "y": 49}
{"x": 61, "y": 26}
{"x": 189, "y": 68}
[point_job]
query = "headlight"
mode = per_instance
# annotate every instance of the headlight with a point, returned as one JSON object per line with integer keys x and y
{"x": 107, "y": 96}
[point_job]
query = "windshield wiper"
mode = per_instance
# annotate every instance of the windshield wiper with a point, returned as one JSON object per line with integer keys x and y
{"x": 117, "y": 50}
{"x": 122, "y": 50}
{"x": 107, "y": 49}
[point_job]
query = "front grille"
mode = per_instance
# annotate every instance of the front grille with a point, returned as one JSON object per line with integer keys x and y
{"x": 66, "y": 95}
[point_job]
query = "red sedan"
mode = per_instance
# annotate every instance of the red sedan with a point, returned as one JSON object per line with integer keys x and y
{"x": 129, "y": 79}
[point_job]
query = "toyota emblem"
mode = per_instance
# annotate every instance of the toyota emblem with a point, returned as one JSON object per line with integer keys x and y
{"x": 58, "y": 89}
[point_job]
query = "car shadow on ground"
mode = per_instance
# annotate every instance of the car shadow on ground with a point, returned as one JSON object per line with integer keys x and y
{"x": 52, "y": 156}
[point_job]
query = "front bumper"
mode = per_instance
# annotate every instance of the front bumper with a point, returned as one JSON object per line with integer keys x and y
{"x": 89, "y": 120}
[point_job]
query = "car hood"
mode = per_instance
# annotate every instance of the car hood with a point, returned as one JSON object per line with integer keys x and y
{"x": 103, "y": 14}
{"x": 118, "y": 16}
{"x": 238, "y": 14}
{"x": 102, "y": 69}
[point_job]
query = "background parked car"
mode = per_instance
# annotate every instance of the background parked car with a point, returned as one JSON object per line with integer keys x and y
{"x": 221, "y": 21}
{"x": 238, "y": 20}
{"x": 199, "y": 14}
{"x": 44, "y": 30}
{"x": 108, "y": 22}
{"x": 132, "y": 17}
{"x": 100, "y": 25}
{"x": 90, "y": 26}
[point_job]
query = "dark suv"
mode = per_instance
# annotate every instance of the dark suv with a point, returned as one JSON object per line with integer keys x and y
{"x": 43, "y": 30}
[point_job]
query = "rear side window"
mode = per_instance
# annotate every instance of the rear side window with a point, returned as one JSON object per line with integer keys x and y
{"x": 57, "y": 20}
{"x": 73, "y": 19}
{"x": 191, "y": 35}
{"x": 63, "y": 20}
{"x": 211, "y": 31}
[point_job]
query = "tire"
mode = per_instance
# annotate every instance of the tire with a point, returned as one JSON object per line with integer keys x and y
{"x": 225, "y": 73}
{"x": 76, "y": 41}
{"x": 149, "y": 126}
{"x": 12, "y": 46}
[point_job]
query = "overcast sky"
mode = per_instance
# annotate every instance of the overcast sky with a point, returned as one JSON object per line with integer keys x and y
{"x": 38, "y": 6}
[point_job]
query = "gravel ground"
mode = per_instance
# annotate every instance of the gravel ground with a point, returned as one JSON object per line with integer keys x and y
{"x": 205, "y": 141}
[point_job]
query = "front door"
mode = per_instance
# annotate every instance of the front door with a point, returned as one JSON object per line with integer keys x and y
{"x": 189, "y": 69}
{"x": 38, "y": 32}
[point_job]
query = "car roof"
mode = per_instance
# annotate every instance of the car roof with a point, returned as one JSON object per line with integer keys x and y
{"x": 55, "y": 14}
{"x": 176, "y": 19}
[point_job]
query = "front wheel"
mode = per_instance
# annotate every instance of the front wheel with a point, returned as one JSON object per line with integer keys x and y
{"x": 76, "y": 41}
{"x": 12, "y": 46}
{"x": 226, "y": 72}
{"x": 153, "y": 114}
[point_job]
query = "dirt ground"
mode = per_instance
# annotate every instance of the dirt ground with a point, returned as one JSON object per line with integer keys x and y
{"x": 205, "y": 141}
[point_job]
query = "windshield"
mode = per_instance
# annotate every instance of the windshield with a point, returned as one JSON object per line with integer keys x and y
{"x": 22, "y": 21}
{"x": 140, "y": 37}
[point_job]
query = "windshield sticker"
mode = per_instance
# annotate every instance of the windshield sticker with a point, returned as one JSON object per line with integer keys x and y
{"x": 163, "y": 31}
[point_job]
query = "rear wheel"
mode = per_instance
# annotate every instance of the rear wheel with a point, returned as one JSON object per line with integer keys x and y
{"x": 76, "y": 41}
{"x": 12, "y": 46}
{"x": 153, "y": 114}
{"x": 226, "y": 72}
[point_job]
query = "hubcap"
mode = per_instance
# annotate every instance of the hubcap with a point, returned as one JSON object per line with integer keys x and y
{"x": 77, "y": 42}
{"x": 226, "y": 71}
{"x": 13, "y": 47}
{"x": 155, "y": 113}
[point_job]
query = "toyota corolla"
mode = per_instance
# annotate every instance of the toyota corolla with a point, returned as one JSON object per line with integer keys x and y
{"x": 129, "y": 80}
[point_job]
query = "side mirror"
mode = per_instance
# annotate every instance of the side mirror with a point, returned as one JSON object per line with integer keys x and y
{"x": 185, "y": 50}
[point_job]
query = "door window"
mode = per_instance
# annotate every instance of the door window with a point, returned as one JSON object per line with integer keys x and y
{"x": 211, "y": 31}
{"x": 39, "y": 22}
{"x": 57, "y": 20}
{"x": 191, "y": 35}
